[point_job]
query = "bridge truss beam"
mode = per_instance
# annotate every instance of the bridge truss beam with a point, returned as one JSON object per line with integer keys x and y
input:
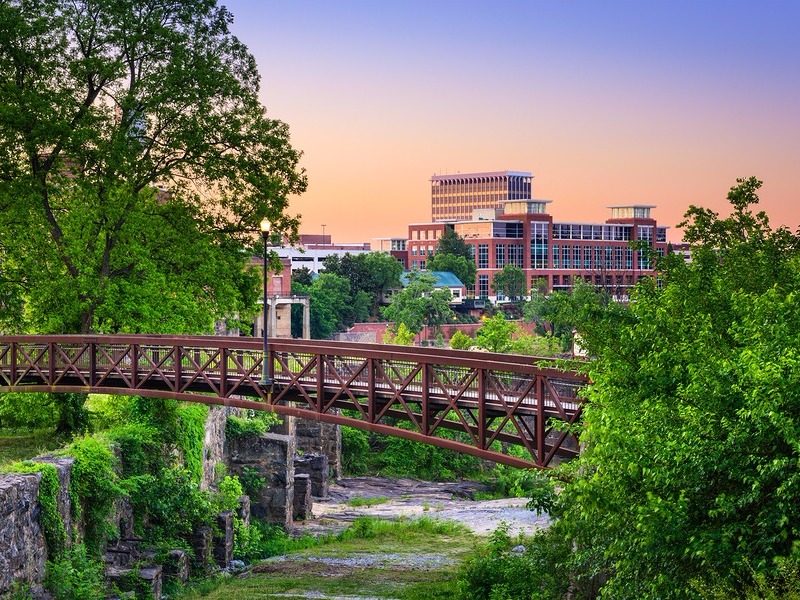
{"x": 490, "y": 401}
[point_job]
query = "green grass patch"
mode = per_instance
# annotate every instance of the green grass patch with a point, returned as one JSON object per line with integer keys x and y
{"x": 407, "y": 559}
{"x": 359, "y": 501}
{"x": 16, "y": 445}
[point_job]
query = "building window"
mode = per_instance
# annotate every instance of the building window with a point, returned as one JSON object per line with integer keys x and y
{"x": 539, "y": 243}
{"x": 483, "y": 256}
{"x": 483, "y": 286}
{"x": 587, "y": 257}
{"x": 413, "y": 250}
{"x": 556, "y": 280}
{"x": 567, "y": 257}
{"x": 618, "y": 258}
{"x": 500, "y": 256}
{"x": 413, "y": 264}
{"x": 628, "y": 258}
{"x": 556, "y": 260}
{"x": 576, "y": 256}
{"x": 515, "y": 255}
{"x": 422, "y": 264}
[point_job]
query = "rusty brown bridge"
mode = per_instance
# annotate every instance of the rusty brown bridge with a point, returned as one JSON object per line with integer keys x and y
{"x": 491, "y": 400}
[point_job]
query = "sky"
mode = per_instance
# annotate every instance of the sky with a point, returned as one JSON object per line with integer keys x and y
{"x": 659, "y": 102}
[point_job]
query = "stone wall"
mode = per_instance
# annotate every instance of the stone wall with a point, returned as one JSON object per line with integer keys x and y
{"x": 316, "y": 437}
{"x": 214, "y": 443}
{"x": 23, "y": 550}
{"x": 270, "y": 458}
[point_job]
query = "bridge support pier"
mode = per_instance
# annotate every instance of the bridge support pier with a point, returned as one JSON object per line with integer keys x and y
{"x": 266, "y": 462}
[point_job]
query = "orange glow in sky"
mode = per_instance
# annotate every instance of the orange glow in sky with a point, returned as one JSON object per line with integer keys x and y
{"x": 663, "y": 103}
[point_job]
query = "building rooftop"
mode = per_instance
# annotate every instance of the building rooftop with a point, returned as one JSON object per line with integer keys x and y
{"x": 443, "y": 279}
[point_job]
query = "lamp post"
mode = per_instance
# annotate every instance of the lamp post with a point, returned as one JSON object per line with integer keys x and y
{"x": 266, "y": 380}
{"x": 323, "y": 234}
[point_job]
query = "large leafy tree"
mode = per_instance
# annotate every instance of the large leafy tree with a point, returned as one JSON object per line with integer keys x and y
{"x": 333, "y": 305}
{"x": 420, "y": 303}
{"x": 135, "y": 161}
{"x": 510, "y": 282}
{"x": 454, "y": 254}
{"x": 370, "y": 272}
{"x": 463, "y": 268}
{"x": 689, "y": 483}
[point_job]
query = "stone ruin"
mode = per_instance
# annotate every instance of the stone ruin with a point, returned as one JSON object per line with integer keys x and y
{"x": 292, "y": 464}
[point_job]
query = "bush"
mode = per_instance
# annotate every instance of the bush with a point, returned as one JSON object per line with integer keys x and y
{"x": 171, "y": 503}
{"x": 75, "y": 576}
{"x": 356, "y": 455}
{"x": 93, "y": 488}
{"x": 141, "y": 447}
{"x": 537, "y": 571}
{"x": 461, "y": 341}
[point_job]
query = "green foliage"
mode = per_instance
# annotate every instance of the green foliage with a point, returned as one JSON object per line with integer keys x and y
{"x": 495, "y": 333}
{"x": 356, "y": 455}
{"x": 49, "y": 520}
{"x": 453, "y": 244}
{"x": 75, "y": 576}
{"x": 94, "y": 487}
{"x": 420, "y": 304}
{"x": 539, "y": 572}
{"x": 399, "y": 335}
{"x": 190, "y": 430}
{"x": 142, "y": 449}
{"x": 535, "y": 345}
{"x": 461, "y": 341}
{"x": 252, "y": 481}
{"x": 462, "y": 267}
{"x": 171, "y": 503}
{"x": 236, "y": 427}
{"x": 370, "y": 272}
{"x": 510, "y": 282}
{"x": 89, "y": 242}
{"x": 27, "y": 411}
{"x": 407, "y": 458}
{"x": 230, "y": 490}
{"x": 333, "y": 307}
{"x": 63, "y": 411}
{"x": 690, "y": 464}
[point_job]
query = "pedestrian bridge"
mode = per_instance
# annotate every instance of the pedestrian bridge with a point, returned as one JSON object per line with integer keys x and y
{"x": 490, "y": 401}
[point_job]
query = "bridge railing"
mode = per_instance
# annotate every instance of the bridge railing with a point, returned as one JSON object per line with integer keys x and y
{"x": 489, "y": 399}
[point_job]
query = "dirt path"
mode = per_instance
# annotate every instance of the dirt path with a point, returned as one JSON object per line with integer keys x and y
{"x": 412, "y": 498}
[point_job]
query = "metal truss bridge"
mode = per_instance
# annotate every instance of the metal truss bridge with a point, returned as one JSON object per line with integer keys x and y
{"x": 491, "y": 401}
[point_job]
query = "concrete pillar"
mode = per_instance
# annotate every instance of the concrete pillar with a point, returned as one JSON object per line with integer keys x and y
{"x": 307, "y": 319}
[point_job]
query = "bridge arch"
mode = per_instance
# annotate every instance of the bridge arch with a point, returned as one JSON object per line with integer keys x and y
{"x": 491, "y": 399}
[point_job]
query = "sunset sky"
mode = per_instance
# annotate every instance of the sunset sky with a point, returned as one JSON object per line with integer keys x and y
{"x": 605, "y": 102}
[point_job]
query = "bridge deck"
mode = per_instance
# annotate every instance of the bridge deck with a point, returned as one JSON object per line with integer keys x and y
{"x": 491, "y": 399}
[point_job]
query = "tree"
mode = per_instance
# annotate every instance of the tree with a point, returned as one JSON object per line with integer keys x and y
{"x": 495, "y": 333}
{"x": 333, "y": 306}
{"x": 420, "y": 304}
{"x": 463, "y": 268}
{"x": 453, "y": 244}
{"x": 510, "y": 282}
{"x": 370, "y": 272}
{"x": 136, "y": 161}
{"x": 689, "y": 477}
{"x": 461, "y": 341}
{"x": 399, "y": 335}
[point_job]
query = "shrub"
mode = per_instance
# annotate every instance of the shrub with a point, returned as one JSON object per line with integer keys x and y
{"x": 141, "y": 448}
{"x": 536, "y": 572}
{"x": 461, "y": 341}
{"x": 93, "y": 488}
{"x": 75, "y": 576}
{"x": 189, "y": 436}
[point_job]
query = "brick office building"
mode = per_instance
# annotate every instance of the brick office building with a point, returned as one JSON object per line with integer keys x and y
{"x": 520, "y": 232}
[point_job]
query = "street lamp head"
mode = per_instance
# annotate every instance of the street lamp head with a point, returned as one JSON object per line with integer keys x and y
{"x": 265, "y": 225}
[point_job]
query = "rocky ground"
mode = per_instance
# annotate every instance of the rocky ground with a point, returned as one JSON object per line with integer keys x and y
{"x": 412, "y": 498}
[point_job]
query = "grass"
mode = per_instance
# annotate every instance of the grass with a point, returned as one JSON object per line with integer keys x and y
{"x": 358, "y": 501}
{"x": 22, "y": 445}
{"x": 404, "y": 560}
